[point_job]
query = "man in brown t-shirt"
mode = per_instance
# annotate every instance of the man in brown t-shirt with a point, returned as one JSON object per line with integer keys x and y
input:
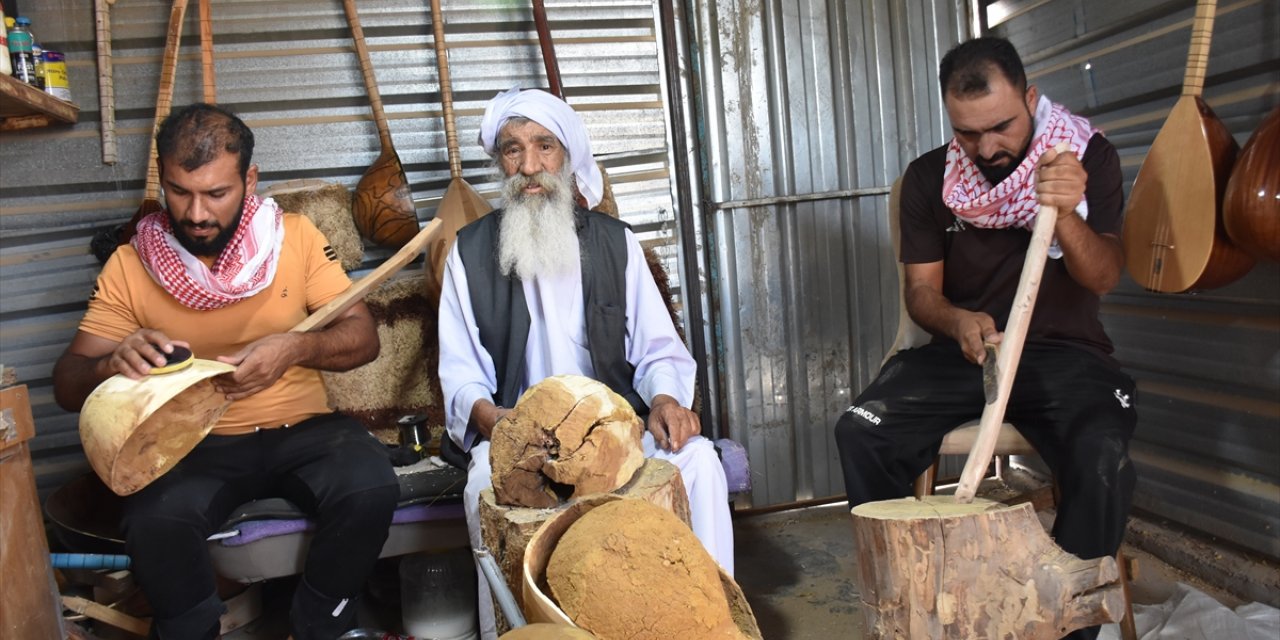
{"x": 226, "y": 274}
{"x": 966, "y": 213}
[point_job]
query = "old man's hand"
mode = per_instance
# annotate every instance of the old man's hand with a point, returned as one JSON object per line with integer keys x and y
{"x": 671, "y": 424}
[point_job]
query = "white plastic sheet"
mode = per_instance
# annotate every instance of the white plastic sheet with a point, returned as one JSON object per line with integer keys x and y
{"x": 1190, "y": 614}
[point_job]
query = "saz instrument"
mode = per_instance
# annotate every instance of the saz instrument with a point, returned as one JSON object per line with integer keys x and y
{"x": 164, "y": 100}
{"x": 1174, "y": 239}
{"x": 1251, "y": 208}
{"x": 608, "y": 204}
{"x": 383, "y": 207}
{"x": 460, "y": 205}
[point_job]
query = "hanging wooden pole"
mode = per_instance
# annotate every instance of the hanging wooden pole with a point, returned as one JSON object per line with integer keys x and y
{"x": 548, "y": 48}
{"x": 207, "y": 72}
{"x": 106, "y": 82}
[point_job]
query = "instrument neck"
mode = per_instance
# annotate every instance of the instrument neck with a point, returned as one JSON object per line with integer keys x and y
{"x": 1198, "y": 55}
{"x": 446, "y": 91}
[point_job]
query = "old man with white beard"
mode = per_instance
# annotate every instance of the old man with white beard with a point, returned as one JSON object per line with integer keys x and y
{"x": 544, "y": 286}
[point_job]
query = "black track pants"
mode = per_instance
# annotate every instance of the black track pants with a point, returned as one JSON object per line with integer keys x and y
{"x": 329, "y": 466}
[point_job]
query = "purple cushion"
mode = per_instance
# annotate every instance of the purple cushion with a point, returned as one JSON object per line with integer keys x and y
{"x": 253, "y": 530}
{"x": 737, "y": 467}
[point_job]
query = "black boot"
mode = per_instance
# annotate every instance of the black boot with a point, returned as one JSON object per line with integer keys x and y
{"x": 201, "y": 622}
{"x": 315, "y": 616}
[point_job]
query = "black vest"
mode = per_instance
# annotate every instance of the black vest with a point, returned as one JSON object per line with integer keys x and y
{"x": 502, "y": 314}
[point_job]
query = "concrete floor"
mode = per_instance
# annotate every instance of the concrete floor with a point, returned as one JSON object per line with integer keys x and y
{"x": 797, "y": 571}
{"x": 796, "y": 568}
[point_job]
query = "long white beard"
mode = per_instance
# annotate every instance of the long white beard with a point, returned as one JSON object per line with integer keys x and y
{"x": 538, "y": 235}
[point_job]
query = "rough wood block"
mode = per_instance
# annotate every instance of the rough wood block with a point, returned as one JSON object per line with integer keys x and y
{"x": 569, "y": 430}
{"x": 939, "y": 569}
{"x": 506, "y": 530}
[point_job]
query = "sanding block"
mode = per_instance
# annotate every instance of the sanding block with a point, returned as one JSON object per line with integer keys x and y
{"x": 180, "y": 359}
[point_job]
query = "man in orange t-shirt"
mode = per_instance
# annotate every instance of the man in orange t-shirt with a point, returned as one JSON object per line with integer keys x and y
{"x": 227, "y": 274}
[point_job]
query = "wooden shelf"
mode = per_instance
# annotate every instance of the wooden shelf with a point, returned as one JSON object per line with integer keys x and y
{"x": 23, "y": 106}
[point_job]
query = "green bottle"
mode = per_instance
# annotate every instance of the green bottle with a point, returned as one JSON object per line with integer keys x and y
{"x": 20, "y": 54}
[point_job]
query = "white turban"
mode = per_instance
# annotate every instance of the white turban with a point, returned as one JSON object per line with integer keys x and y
{"x": 558, "y": 118}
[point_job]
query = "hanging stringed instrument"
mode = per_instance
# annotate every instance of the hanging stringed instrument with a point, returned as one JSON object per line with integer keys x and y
{"x": 1251, "y": 208}
{"x": 1174, "y": 239}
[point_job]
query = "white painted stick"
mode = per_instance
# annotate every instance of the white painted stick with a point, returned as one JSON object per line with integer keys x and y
{"x": 1015, "y": 334}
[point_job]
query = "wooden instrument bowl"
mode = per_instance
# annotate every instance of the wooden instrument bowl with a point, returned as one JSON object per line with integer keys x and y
{"x": 383, "y": 207}
{"x": 538, "y": 605}
{"x": 1251, "y": 208}
{"x": 134, "y": 431}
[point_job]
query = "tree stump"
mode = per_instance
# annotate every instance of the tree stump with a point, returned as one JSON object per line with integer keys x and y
{"x": 935, "y": 568}
{"x": 506, "y": 530}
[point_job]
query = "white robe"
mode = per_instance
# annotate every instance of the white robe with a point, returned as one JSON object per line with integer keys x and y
{"x": 558, "y": 345}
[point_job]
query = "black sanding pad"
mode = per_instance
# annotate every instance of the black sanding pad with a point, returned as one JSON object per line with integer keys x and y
{"x": 180, "y": 359}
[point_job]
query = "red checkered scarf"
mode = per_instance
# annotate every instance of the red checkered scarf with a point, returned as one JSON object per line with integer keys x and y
{"x": 245, "y": 267}
{"x": 1012, "y": 203}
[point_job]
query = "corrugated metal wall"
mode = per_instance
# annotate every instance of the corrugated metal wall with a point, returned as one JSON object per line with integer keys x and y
{"x": 1207, "y": 364}
{"x": 288, "y": 67}
{"x": 810, "y": 109}
{"x": 810, "y": 97}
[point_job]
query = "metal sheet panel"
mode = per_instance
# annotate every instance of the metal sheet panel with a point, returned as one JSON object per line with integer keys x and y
{"x": 1207, "y": 364}
{"x": 803, "y": 97}
{"x": 289, "y": 68}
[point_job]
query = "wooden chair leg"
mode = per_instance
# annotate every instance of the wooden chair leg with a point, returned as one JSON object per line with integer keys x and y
{"x": 1127, "y": 629}
{"x": 925, "y": 482}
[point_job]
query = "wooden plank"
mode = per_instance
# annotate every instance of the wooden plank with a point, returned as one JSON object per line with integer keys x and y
{"x": 28, "y": 600}
{"x": 19, "y": 123}
{"x": 16, "y": 424}
{"x": 18, "y": 98}
{"x": 136, "y": 626}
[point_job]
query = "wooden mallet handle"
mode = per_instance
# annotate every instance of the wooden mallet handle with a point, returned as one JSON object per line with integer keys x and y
{"x": 1015, "y": 334}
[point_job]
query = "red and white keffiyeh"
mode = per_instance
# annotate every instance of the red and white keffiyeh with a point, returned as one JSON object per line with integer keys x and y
{"x": 246, "y": 266}
{"x": 1012, "y": 203}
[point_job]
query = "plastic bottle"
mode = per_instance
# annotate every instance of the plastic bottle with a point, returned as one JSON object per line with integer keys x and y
{"x": 434, "y": 590}
{"x": 6, "y": 67}
{"x": 20, "y": 40}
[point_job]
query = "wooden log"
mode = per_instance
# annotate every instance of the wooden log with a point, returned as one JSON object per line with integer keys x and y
{"x": 937, "y": 569}
{"x": 506, "y": 530}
